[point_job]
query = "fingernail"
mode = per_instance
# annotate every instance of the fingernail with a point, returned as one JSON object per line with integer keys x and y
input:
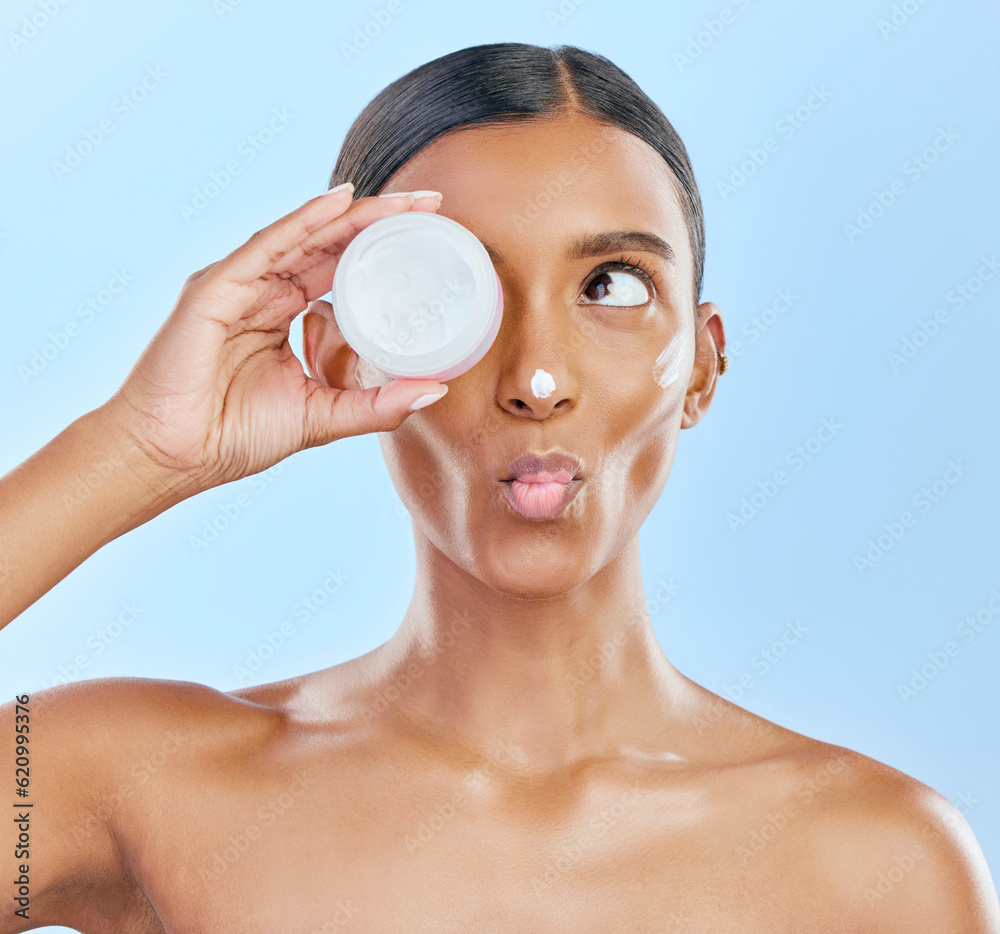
{"x": 427, "y": 399}
{"x": 332, "y": 191}
{"x": 399, "y": 194}
{"x": 428, "y": 194}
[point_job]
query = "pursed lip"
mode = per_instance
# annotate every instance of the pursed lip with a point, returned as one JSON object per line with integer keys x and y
{"x": 540, "y": 486}
{"x": 556, "y": 466}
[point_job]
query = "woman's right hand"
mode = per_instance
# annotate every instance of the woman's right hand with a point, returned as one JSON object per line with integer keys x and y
{"x": 218, "y": 394}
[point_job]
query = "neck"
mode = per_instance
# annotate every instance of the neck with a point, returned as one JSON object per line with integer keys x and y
{"x": 549, "y": 682}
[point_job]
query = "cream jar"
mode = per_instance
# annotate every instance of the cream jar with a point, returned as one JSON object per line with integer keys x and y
{"x": 416, "y": 295}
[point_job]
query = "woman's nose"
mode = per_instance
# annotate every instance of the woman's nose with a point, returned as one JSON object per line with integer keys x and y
{"x": 537, "y": 365}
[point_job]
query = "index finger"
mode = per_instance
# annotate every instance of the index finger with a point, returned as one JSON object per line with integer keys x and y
{"x": 300, "y": 250}
{"x": 267, "y": 246}
{"x": 311, "y": 263}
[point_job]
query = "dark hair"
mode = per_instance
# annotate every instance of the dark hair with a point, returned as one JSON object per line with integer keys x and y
{"x": 502, "y": 82}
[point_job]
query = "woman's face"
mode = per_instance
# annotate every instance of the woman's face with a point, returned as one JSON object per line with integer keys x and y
{"x": 552, "y": 201}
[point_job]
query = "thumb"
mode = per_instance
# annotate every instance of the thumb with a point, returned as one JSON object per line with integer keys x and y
{"x": 341, "y": 413}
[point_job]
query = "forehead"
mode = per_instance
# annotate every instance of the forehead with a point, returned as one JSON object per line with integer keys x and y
{"x": 546, "y": 179}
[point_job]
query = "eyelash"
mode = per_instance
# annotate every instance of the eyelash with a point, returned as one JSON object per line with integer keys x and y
{"x": 626, "y": 265}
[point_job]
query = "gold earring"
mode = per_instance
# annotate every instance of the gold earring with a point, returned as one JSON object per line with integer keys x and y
{"x": 723, "y": 363}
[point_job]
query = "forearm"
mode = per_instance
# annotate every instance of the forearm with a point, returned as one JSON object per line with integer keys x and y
{"x": 86, "y": 487}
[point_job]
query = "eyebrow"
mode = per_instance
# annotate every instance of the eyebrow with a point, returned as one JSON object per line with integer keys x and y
{"x": 610, "y": 241}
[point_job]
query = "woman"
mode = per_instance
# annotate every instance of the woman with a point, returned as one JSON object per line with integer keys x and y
{"x": 520, "y": 755}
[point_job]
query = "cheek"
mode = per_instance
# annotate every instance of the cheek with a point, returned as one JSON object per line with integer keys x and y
{"x": 667, "y": 366}
{"x": 430, "y": 462}
{"x": 648, "y": 390}
{"x": 650, "y": 420}
{"x": 411, "y": 467}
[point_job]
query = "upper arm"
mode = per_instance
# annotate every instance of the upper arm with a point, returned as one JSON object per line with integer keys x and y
{"x": 55, "y": 761}
{"x": 103, "y": 753}
{"x": 95, "y": 748}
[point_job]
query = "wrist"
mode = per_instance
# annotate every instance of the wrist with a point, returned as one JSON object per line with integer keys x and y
{"x": 119, "y": 456}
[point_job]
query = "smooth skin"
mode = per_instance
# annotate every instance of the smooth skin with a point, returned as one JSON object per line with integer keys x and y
{"x": 520, "y": 756}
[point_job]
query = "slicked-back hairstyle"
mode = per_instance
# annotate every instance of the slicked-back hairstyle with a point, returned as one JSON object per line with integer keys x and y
{"x": 503, "y": 82}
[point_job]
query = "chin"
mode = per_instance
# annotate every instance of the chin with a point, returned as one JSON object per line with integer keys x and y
{"x": 533, "y": 573}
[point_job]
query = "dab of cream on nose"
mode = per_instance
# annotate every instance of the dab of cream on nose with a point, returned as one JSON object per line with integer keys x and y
{"x": 542, "y": 384}
{"x": 667, "y": 366}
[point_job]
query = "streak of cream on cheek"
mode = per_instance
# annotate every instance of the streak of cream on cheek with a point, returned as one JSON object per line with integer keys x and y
{"x": 667, "y": 366}
{"x": 542, "y": 384}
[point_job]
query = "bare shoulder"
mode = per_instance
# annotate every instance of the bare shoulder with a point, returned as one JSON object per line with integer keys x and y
{"x": 898, "y": 854}
{"x": 89, "y": 749}
{"x": 96, "y": 739}
{"x": 126, "y": 716}
{"x": 887, "y": 853}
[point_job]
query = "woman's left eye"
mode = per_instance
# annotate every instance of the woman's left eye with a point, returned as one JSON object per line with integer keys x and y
{"x": 622, "y": 288}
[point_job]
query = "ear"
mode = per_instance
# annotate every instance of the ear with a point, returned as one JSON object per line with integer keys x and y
{"x": 710, "y": 342}
{"x": 329, "y": 358}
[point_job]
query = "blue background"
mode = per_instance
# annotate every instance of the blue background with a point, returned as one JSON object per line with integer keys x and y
{"x": 888, "y": 95}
